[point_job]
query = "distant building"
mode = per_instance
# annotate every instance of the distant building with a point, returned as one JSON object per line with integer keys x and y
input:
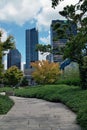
{"x": 28, "y": 76}
{"x": 48, "y": 57}
{"x": 31, "y": 41}
{"x": 14, "y": 58}
{"x": 62, "y": 41}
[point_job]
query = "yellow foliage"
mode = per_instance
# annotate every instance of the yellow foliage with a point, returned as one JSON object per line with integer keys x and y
{"x": 45, "y": 71}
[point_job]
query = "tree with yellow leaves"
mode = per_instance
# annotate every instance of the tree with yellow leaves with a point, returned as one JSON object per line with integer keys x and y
{"x": 45, "y": 72}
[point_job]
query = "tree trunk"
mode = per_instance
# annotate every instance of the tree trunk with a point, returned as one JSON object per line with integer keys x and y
{"x": 83, "y": 73}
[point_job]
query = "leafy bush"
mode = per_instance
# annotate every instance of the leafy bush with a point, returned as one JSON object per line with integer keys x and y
{"x": 5, "y": 104}
{"x": 68, "y": 81}
{"x": 82, "y": 118}
{"x": 45, "y": 72}
{"x": 24, "y": 82}
{"x": 5, "y": 89}
{"x": 13, "y": 76}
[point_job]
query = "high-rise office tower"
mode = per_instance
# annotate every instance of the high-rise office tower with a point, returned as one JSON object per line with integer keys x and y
{"x": 31, "y": 41}
{"x": 58, "y": 43}
{"x": 14, "y": 58}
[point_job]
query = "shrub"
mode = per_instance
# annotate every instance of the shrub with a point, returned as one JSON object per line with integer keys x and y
{"x": 24, "y": 82}
{"x": 45, "y": 72}
{"x": 82, "y": 118}
{"x": 5, "y": 104}
{"x": 13, "y": 76}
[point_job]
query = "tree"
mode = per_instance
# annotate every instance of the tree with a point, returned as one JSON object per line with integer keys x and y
{"x": 4, "y": 46}
{"x": 13, "y": 76}
{"x": 45, "y": 72}
{"x": 48, "y": 49}
{"x": 55, "y": 3}
{"x": 83, "y": 74}
{"x": 43, "y": 48}
{"x": 76, "y": 46}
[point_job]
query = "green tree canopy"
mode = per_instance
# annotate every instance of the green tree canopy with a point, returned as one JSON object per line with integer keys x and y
{"x": 13, "y": 76}
{"x": 43, "y": 48}
{"x": 76, "y": 46}
{"x": 9, "y": 43}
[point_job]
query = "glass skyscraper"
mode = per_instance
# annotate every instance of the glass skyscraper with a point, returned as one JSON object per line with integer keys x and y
{"x": 14, "y": 58}
{"x": 58, "y": 43}
{"x": 31, "y": 41}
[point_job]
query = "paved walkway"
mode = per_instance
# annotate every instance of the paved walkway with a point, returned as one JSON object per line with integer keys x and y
{"x": 36, "y": 114}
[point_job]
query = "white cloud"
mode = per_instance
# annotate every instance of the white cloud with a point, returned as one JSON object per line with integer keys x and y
{"x": 20, "y": 11}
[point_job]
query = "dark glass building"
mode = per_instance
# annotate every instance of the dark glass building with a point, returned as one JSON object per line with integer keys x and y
{"x": 14, "y": 58}
{"x": 61, "y": 41}
{"x": 48, "y": 57}
{"x": 31, "y": 41}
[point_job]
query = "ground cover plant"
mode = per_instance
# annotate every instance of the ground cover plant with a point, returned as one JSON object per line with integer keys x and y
{"x": 5, "y": 104}
{"x": 72, "y": 96}
{"x": 6, "y": 89}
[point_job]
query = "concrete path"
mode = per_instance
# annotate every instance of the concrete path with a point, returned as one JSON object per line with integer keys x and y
{"x": 36, "y": 114}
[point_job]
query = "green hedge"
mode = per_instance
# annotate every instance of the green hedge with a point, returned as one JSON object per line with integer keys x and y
{"x": 6, "y": 89}
{"x": 71, "y": 81}
{"x": 5, "y": 104}
{"x": 72, "y": 96}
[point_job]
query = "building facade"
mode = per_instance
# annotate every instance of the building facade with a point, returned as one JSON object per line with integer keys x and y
{"x": 14, "y": 58}
{"x": 60, "y": 43}
{"x": 31, "y": 41}
{"x": 48, "y": 57}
